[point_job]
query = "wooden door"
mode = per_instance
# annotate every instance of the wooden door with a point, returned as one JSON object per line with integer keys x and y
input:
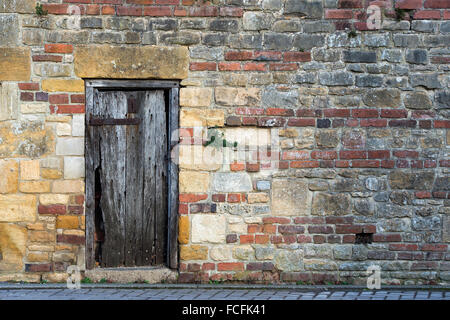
{"x": 127, "y": 149}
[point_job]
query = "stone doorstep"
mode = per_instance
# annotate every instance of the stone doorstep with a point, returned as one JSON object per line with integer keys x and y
{"x": 132, "y": 275}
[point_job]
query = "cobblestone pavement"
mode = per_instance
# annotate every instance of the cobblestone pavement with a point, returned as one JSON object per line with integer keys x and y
{"x": 217, "y": 294}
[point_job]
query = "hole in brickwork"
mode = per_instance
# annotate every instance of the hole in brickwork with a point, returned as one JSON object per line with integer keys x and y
{"x": 364, "y": 238}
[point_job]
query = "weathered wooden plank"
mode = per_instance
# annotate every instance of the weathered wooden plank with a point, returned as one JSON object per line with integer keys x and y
{"x": 112, "y": 176}
{"x": 172, "y": 195}
{"x": 95, "y": 121}
{"x": 160, "y": 141}
{"x": 90, "y": 181}
{"x": 134, "y": 194}
{"x": 149, "y": 163}
{"x": 133, "y": 84}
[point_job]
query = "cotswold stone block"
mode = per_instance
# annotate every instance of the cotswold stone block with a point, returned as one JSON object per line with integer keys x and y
{"x": 289, "y": 260}
{"x": 446, "y": 230}
{"x": 183, "y": 229}
{"x": 202, "y": 118}
{"x": 127, "y": 63}
{"x": 231, "y": 182}
{"x": 411, "y": 180}
{"x": 360, "y": 56}
{"x": 207, "y": 228}
{"x": 382, "y": 98}
{"x": 417, "y": 56}
{"x": 13, "y": 240}
{"x": 193, "y": 181}
{"x": 257, "y": 20}
{"x": 310, "y": 9}
{"x": 193, "y": 252}
{"x": 9, "y": 98}
{"x": 290, "y": 197}
{"x": 237, "y": 96}
{"x": 14, "y": 6}
{"x": 9, "y": 30}
{"x": 192, "y": 157}
{"x": 224, "y": 25}
{"x": 337, "y": 78}
{"x": 280, "y": 99}
{"x": 17, "y": 208}
{"x": 429, "y": 81}
{"x": 308, "y": 41}
{"x": 417, "y": 100}
{"x": 15, "y": 64}
{"x": 9, "y": 172}
{"x": 195, "y": 97}
{"x": 29, "y": 170}
{"x": 59, "y": 85}
{"x": 330, "y": 204}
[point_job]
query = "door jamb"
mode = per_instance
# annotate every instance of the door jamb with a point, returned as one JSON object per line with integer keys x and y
{"x": 173, "y": 138}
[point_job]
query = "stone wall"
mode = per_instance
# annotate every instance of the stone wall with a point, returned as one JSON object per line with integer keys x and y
{"x": 328, "y": 132}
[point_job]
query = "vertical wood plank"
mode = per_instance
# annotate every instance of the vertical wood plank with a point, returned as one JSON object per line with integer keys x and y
{"x": 134, "y": 193}
{"x": 90, "y": 142}
{"x": 160, "y": 140}
{"x": 149, "y": 186}
{"x": 112, "y": 176}
{"x": 173, "y": 140}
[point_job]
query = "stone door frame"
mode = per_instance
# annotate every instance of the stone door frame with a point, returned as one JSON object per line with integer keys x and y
{"x": 173, "y": 125}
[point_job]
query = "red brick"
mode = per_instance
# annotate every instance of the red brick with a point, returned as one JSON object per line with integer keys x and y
{"x": 231, "y": 12}
{"x": 202, "y": 66}
{"x": 442, "y": 124}
{"x": 308, "y": 113}
{"x": 75, "y": 210}
{"x": 247, "y": 238}
{"x": 297, "y": 56}
{"x": 41, "y": 267}
{"x": 29, "y": 86}
{"x": 168, "y": 2}
{"x": 67, "y": 109}
{"x": 408, "y": 4}
{"x": 387, "y": 237}
{"x": 47, "y": 57}
{"x": 239, "y": 55}
{"x": 437, "y": 4}
{"x": 183, "y": 208}
{"x": 343, "y": 228}
{"x": 279, "y": 112}
{"x": 364, "y": 113}
{"x": 342, "y": 164}
{"x": 388, "y": 113}
{"x": 304, "y": 164}
{"x": 93, "y": 9}
{"x": 77, "y": 98}
{"x": 349, "y": 238}
{"x": 129, "y": 11}
{"x": 267, "y": 55}
{"x": 234, "y": 197}
{"x": 252, "y": 66}
{"x": 403, "y": 247}
{"x": 338, "y": 14}
{"x": 72, "y": 239}
{"x": 58, "y": 48}
{"x": 192, "y": 197}
{"x": 427, "y": 14}
{"x": 208, "y": 266}
{"x": 26, "y": 96}
{"x": 365, "y": 163}
{"x": 295, "y": 155}
{"x": 283, "y": 67}
{"x": 444, "y": 163}
{"x": 261, "y": 239}
{"x": 379, "y": 154}
{"x": 218, "y": 197}
{"x": 249, "y": 121}
{"x": 52, "y": 209}
{"x": 301, "y": 238}
{"x": 269, "y": 228}
{"x": 387, "y": 164}
{"x": 58, "y": 98}
{"x": 433, "y": 247}
{"x": 279, "y": 220}
{"x": 230, "y": 266}
{"x": 203, "y": 11}
{"x": 309, "y": 220}
{"x": 336, "y": 113}
{"x": 320, "y": 229}
{"x": 298, "y": 122}
{"x": 403, "y": 123}
{"x": 429, "y": 164}
{"x": 327, "y": 155}
{"x": 252, "y": 167}
{"x": 53, "y": 8}
{"x": 405, "y": 154}
{"x": 108, "y": 10}
{"x": 229, "y": 66}
{"x": 237, "y": 166}
{"x": 158, "y": 11}
{"x": 373, "y": 123}
{"x": 180, "y": 12}
{"x": 344, "y": 4}
{"x": 249, "y": 111}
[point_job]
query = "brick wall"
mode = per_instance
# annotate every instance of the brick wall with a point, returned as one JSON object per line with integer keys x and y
{"x": 330, "y": 129}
